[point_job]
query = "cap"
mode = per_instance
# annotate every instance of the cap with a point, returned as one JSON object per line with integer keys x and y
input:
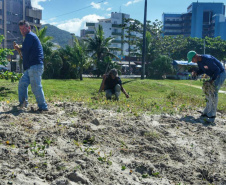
{"x": 190, "y": 55}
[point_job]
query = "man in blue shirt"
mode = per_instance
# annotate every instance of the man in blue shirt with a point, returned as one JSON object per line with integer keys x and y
{"x": 214, "y": 69}
{"x": 32, "y": 54}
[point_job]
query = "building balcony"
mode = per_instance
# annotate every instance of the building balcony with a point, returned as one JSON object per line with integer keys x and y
{"x": 173, "y": 27}
{"x": 32, "y": 24}
{"x": 90, "y": 24}
{"x": 117, "y": 33}
{"x": 171, "y": 33}
{"x": 117, "y": 41}
{"x": 116, "y": 26}
{"x": 89, "y": 32}
{"x": 34, "y": 12}
{"x": 173, "y": 22}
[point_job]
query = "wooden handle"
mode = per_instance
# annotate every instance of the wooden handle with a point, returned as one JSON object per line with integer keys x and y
{"x": 19, "y": 51}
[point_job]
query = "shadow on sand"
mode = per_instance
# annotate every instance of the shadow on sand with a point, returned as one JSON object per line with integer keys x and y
{"x": 204, "y": 120}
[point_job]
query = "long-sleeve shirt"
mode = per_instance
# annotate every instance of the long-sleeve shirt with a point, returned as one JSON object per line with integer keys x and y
{"x": 111, "y": 83}
{"x": 210, "y": 66}
{"x": 32, "y": 51}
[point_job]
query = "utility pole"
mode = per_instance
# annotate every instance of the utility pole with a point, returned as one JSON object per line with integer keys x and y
{"x": 204, "y": 47}
{"x": 144, "y": 41}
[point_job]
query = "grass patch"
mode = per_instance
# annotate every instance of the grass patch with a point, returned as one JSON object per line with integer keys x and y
{"x": 154, "y": 96}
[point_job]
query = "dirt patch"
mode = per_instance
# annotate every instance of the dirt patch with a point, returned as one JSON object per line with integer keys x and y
{"x": 72, "y": 144}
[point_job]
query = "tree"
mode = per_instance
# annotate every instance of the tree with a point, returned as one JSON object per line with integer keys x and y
{"x": 69, "y": 63}
{"x": 153, "y": 43}
{"x": 132, "y": 28}
{"x": 4, "y": 53}
{"x": 42, "y": 35}
{"x": 99, "y": 46}
{"x": 216, "y": 47}
{"x": 52, "y": 60}
{"x": 162, "y": 65}
{"x": 81, "y": 55}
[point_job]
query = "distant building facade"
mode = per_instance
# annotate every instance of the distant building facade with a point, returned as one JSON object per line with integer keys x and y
{"x": 112, "y": 27}
{"x": 201, "y": 20}
{"x": 11, "y": 12}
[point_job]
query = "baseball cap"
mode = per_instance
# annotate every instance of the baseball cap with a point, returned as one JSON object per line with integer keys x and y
{"x": 190, "y": 55}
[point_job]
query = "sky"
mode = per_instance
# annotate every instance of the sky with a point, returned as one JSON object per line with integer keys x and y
{"x": 71, "y": 15}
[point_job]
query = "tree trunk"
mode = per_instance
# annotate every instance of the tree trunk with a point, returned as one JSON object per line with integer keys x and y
{"x": 81, "y": 71}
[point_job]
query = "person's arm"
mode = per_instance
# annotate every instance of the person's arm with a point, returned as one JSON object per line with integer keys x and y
{"x": 124, "y": 91}
{"x": 215, "y": 69}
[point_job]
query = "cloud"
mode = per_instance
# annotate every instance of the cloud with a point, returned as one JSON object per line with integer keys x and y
{"x": 132, "y": 2}
{"x": 96, "y": 5}
{"x": 76, "y": 24}
{"x": 108, "y": 9}
{"x": 35, "y": 4}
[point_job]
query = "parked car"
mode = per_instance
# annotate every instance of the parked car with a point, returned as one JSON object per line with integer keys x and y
{"x": 3, "y": 69}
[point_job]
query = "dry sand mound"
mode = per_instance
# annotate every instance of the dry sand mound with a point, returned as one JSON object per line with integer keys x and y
{"x": 72, "y": 144}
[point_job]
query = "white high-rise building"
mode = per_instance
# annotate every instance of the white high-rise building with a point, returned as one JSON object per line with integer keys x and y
{"x": 112, "y": 27}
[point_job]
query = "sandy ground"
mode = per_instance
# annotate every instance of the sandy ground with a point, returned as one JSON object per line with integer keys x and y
{"x": 72, "y": 144}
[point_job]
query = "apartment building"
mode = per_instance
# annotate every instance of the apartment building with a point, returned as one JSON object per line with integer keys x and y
{"x": 200, "y": 20}
{"x": 11, "y": 12}
{"x": 112, "y": 27}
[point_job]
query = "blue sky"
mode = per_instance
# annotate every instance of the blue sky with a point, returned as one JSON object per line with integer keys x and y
{"x": 71, "y": 15}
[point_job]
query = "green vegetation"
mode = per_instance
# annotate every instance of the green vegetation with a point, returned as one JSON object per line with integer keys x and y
{"x": 154, "y": 96}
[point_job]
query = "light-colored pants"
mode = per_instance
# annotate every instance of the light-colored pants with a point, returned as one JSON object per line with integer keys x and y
{"x": 32, "y": 76}
{"x": 211, "y": 106}
{"x": 116, "y": 91}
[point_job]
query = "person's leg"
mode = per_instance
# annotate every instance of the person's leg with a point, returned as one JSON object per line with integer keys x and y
{"x": 23, "y": 89}
{"x": 108, "y": 93}
{"x": 117, "y": 91}
{"x": 217, "y": 83}
{"x": 35, "y": 74}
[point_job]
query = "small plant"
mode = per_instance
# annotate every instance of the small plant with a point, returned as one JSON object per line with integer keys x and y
{"x": 89, "y": 140}
{"x": 78, "y": 145}
{"x": 123, "y": 167}
{"x": 155, "y": 174}
{"x": 123, "y": 145}
{"x": 105, "y": 159}
{"x": 76, "y": 168}
{"x": 47, "y": 142}
{"x": 90, "y": 150}
{"x": 145, "y": 175}
{"x": 152, "y": 134}
{"x": 37, "y": 150}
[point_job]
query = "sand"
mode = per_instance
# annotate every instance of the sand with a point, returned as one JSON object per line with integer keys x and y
{"x": 72, "y": 144}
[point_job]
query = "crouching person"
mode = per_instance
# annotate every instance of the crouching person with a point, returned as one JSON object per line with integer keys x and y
{"x": 112, "y": 85}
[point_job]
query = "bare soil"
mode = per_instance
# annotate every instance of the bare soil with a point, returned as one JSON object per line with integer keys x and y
{"x": 72, "y": 144}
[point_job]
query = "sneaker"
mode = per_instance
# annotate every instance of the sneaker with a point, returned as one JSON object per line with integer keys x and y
{"x": 43, "y": 109}
{"x": 204, "y": 115}
{"x": 23, "y": 105}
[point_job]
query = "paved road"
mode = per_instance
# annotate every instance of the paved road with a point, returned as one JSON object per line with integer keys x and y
{"x": 121, "y": 76}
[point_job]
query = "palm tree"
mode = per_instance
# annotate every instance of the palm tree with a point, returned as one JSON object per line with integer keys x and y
{"x": 52, "y": 59}
{"x": 42, "y": 35}
{"x": 99, "y": 46}
{"x": 81, "y": 55}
